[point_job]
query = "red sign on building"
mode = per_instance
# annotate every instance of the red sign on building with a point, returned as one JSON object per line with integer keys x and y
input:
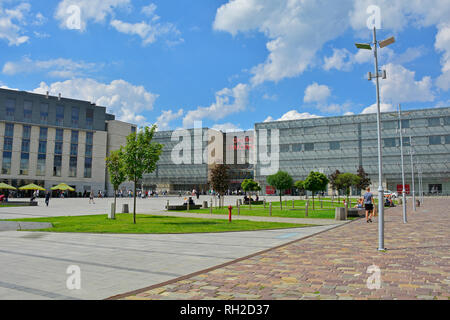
{"x": 270, "y": 190}
{"x": 400, "y": 187}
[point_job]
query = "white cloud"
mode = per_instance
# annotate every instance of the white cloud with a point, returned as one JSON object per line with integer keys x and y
{"x": 91, "y": 10}
{"x": 384, "y": 107}
{"x": 12, "y": 22}
{"x": 121, "y": 98}
{"x": 340, "y": 60}
{"x": 293, "y": 115}
{"x": 288, "y": 25}
{"x": 149, "y": 10}
{"x": 60, "y": 68}
{"x": 228, "y": 101}
{"x": 166, "y": 117}
{"x": 442, "y": 44}
{"x": 401, "y": 86}
{"x": 227, "y": 127}
{"x": 316, "y": 93}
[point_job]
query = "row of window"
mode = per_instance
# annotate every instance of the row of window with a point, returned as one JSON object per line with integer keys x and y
{"x": 387, "y": 142}
{"x": 44, "y": 114}
{"x": 42, "y": 152}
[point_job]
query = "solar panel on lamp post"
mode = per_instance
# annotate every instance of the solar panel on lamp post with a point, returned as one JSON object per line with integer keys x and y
{"x": 367, "y": 46}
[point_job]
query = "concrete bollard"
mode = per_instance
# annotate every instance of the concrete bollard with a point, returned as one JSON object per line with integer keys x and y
{"x": 187, "y": 206}
{"x": 112, "y": 214}
{"x": 270, "y": 208}
{"x": 293, "y": 203}
{"x": 321, "y": 204}
{"x": 210, "y": 207}
{"x": 340, "y": 214}
{"x": 167, "y": 206}
{"x": 237, "y": 203}
{"x": 125, "y": 208}
{"x": 264, "y": 201}
{"x": 204, "y": 206}
{"x": 306, "y": 208}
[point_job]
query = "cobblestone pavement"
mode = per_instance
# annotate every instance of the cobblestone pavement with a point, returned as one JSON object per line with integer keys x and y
{"x": 334, "y": 264}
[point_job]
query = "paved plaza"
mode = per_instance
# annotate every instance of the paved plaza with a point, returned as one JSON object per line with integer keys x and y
{"x": 33, "y": 264}
{"x": 334, "y": 264}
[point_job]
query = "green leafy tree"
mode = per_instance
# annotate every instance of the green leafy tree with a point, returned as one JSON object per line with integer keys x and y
{"x": 332, "y": 177}
{"x": 300, "y": 186}
{"x": 346, "y": 181}
{"x": 281, "y": 181}
{"x": 364, "y": 181}
{"x": 220, "y": 180}
{"x": 116, "y": 170}
{"x": 315, "y": 182}
{"x": 140, "y": 156}
{"x": 249, "y": 185}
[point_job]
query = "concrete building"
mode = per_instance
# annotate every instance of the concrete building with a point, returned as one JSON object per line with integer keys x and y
{"x": 47, "y": 140}
{"x": 347, "y": 142}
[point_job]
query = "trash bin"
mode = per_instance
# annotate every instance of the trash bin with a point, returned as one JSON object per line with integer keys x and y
{"x": 125, "y": 208}
{"x": 205, "y": 205}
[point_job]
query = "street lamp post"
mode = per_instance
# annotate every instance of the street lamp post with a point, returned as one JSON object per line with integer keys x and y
{"x": 403, "y": 168}
{"x": 377, "y": 75}
{"x": 412, "y": 173}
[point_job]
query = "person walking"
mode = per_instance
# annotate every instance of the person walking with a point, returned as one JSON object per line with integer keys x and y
{"x": 91, "y": 197}
{"x": 368, "y": 204}
{"x": 47, "y": 198}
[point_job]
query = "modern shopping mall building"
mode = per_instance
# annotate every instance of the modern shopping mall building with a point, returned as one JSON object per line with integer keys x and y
{"x": 47, "y": 140}
{"x": 321, "y": 144}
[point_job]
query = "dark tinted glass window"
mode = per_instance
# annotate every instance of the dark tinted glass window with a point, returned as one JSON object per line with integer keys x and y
{"x": 27, "y": 110}
{"x": 9, "y": 130}
{"x": 59, "y": 115}
{"x": 390, "y": 142}
{"x": 309, "y": 146}
{"x": 59, "y": 135}
{"x": 335, "y": 145}
{"x": 26, "y": 133}
{"x": 10, "y": 109}
{"x": 44, "y": 113}
{"x": 435, "y": 140}
{"x": 296, "y": 147}
{"x": 434, "y": 122}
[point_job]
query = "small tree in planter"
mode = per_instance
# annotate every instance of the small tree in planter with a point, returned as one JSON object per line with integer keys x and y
{"x": 346, "y": 181}
{"x": 332, "y": 177}
{"x": 281, "y": 181}
{"x": 249, "y": 185}
{"x": 116, "y": 169}
{"x": 315, "y": 181}
{"x": 219, "y": 181}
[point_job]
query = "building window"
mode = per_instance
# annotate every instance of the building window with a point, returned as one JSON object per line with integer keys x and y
{"x": 335, "y": 145}
{"x": 405, "y": 124}
{"x": 390, "y": 142}
{"x": 447, "y": 139}
{"x": 284, "y": 148}
{"x": 73, "y": 167}
{"x": 40, "y": 168}
{"x": 435, "y": 140}
{"x": 447, "y": 121}
{"x": 58, "y": 147}
{"x": 406, "y": 141}
{"x": 89, "y": 118}
{"x": 44, "y": 113}
{"x": 43, "y": 134}
{"x": 75, "y": 116}
{"x": 296, "y": 147}
{"x": 10, "y": 109}
{"x": 389, "y": 125}
{"x": 74, "y": 137}
{"x": 42, "y": 147}
{"x": 9, "y": 130}
{"x": 27, "y": 111}
{"x": 7, "y": 144}
{"x": 57, "y": 160}
{"x": 6, "y": 165}
{"x": 25, "y": 145}
{"x": 89, "y": 138}
{"x": 88, "y": 151}
{"x": 87, "y": 167}
{"x": 309, "y": 146}
{"x": 73, "y": 149}
{"x": 59, "y": 135}
{"x": 434, "y": 122}
{"x": 59, "y": 115}
{"x": 24, "y": 161}
{"x": 26, "y": 133}
{"x": 133, "y": 129}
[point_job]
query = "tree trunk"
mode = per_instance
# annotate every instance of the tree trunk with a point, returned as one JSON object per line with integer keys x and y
{"x": 115, "y": 206}
{"x": 250, "y": 203}
{"x": 313, "y": 199}
{"x": 134, "y": 207}
{"x": 281, "y": 202}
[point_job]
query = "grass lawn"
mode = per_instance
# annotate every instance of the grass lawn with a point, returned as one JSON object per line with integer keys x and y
{"x": 153, "y": 224}
{"x": 4, "y": 205}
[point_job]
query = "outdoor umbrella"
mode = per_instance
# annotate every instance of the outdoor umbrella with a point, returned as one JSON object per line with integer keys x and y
{"x": 62, "y": 187}
{"x": 31, "y": 186}
{"x": 6, "y": 186}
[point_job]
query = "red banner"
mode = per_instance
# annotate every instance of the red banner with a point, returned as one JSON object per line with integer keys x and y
{"x": 400, "y": 187}
{"x": 270, "y": 190}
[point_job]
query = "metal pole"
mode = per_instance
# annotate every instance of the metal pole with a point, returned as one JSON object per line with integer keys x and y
{"x": 380, "y": 156}
{"x": 412, "y": 174}
{"x": 403, "y": 168}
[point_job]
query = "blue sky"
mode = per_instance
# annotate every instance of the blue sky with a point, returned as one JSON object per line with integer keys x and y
{"x": 227, "y": 63}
